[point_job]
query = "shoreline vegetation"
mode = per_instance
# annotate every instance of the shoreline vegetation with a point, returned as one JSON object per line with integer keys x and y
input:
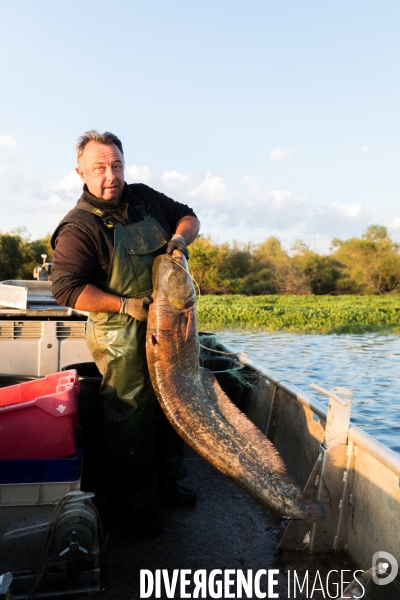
{"x": 353, "y": 289}
{"x": 300, "y": 314}
{"x": 369, "y": 265}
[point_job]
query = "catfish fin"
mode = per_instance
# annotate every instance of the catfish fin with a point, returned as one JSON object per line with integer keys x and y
{"x": 190, "y": 326}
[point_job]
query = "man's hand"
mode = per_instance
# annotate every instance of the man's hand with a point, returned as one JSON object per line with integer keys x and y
{"x": 138, "y": 308}
{"x": 177, "y": 242}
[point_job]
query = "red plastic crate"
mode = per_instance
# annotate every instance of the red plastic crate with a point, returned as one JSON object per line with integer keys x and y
{"x": 38, "y": 418}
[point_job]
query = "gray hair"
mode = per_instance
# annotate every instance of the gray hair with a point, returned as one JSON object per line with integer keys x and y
{"x": 106, "y": 138}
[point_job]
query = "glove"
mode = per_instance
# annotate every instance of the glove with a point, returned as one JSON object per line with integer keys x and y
{"x": 138, "y": 308}
{"x": 177, "y": 242}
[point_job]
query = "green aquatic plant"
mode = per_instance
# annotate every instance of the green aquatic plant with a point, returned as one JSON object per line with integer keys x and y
{"x": 300, "y": 314}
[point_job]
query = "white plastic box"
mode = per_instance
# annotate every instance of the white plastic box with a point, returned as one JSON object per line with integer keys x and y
{"x": 35, "y": 493}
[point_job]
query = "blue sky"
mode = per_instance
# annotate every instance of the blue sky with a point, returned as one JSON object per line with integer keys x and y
{"x": 269, "y": 117}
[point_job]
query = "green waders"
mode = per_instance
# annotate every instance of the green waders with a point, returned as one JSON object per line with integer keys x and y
{"x": 117, "y": 343}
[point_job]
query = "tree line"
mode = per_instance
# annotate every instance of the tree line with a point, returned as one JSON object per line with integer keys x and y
{"x": 19, "y": 255}
{"x": 366, "y": 265}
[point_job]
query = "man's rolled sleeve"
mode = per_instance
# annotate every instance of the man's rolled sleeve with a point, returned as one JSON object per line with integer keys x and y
{"x": 75, "y": 264}
{"x": 66, "y": 287}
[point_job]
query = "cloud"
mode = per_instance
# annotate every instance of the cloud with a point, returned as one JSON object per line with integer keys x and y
{"x": 252, "y": 210}
{"x": 271, "y": 209}
{"x": 174, "y": 180}
{"x": 41, "y": 201}
{"x": 246, "y": 210}
{"x": 56, "y": 199}
{"x": 136, "y": 174}
{"x": 212, "y": 190}
{"x": 10, "y": 151}
{"x": 281, "y": 154}
{"x": 12, "y": 180}
{"x": 206, "y": 189}
{"x": 366, "y": 148}
{"x": 395, "y": 224}
{"x": 7, "y": 141}
{"x": 250, "y": 183}
{"x": 349, "y": 211}
{"x": 70, "y": 185}
{"x": 249, "y": 204}
{"x": 340, "y": 220}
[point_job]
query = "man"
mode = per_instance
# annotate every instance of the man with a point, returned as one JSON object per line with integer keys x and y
{"x": 103, "y": 254}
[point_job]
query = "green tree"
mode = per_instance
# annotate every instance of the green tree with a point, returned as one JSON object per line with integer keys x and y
{"x": 276, "y": 271}
{"x": 260, "y": 282}
{"x": 34, "y": 251}
{"x": 322, "y": 272}
{"x": 203, "y": 264}
{"x": 371, "y": 265}
{"x": 19, "y": 255}
{"x": 11, "y": 255}
{"x": 219, "y": 268}
{"x": 235, "y": 266}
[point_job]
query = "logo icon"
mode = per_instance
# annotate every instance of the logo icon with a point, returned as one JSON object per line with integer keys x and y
{"x": 381, "y": 561}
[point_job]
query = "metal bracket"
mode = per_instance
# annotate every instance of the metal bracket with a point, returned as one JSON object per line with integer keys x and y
{"x": 271, "y": 408}
{"x": 339, "y": 413}
{"x": 330, "y": 394}
{"x": 330, "y": 483}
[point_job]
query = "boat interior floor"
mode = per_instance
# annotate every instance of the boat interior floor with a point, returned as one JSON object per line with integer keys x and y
{"x": 226, "y": 530}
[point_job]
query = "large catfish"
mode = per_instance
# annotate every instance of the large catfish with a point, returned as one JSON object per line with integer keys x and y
{"x": 197, "y": 407}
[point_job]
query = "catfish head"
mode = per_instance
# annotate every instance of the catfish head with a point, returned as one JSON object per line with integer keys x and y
{"x": 171, "y": 279}
{"x": 174, "y": 295}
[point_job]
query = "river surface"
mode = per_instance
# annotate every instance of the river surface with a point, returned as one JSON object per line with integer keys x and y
{"x": 368, "y": 364}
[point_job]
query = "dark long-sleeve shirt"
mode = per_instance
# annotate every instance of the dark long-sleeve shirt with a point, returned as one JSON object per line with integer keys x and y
{"x": 83, "y": 245}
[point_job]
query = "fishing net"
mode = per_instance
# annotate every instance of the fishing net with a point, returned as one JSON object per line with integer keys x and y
{"x": 215, "y": 357}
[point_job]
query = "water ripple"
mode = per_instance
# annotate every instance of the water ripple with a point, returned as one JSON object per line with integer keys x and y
{"x": 368, "y": 364}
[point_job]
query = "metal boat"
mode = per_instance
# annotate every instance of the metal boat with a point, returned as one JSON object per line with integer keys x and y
{"x": 352, "y": 474}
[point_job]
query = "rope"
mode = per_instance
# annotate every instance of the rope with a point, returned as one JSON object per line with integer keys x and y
{"x": 221, "y": 352}
{"x": 46, "y": 545}
{"x": 190, "y": 275}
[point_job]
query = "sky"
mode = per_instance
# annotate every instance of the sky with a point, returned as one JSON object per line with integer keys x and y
{"x": 267, "y": 117}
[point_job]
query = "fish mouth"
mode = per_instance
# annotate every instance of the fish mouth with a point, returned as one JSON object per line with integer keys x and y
{"x": 171, "y": 274}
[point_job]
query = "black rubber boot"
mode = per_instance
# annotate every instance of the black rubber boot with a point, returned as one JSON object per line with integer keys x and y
{"x": 177, "y": 495}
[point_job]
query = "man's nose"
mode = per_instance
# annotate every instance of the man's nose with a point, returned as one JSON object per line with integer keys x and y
{"x": 110, "y": 175}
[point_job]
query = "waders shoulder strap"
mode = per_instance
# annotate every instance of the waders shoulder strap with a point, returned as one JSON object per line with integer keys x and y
{"x": 139, "y": 206}
{"x": 107, "y": 218}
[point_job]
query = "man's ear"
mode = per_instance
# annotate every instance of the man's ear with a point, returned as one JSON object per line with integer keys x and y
{"x": 80, "y": 173}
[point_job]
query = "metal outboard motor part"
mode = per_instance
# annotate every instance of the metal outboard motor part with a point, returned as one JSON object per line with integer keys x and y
{"x": 76, "y": 528}
{"x": 73, "y": 556}
{"x": 43, "y": 271}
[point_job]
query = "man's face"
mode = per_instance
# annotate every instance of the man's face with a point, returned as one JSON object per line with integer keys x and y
{"x": 101, "y": 167}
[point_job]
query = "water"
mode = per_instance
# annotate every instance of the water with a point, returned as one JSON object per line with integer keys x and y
{"x": 368, "y": 364}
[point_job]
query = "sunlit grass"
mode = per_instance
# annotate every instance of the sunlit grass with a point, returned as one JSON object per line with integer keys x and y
{"x": 301, "y": 314}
